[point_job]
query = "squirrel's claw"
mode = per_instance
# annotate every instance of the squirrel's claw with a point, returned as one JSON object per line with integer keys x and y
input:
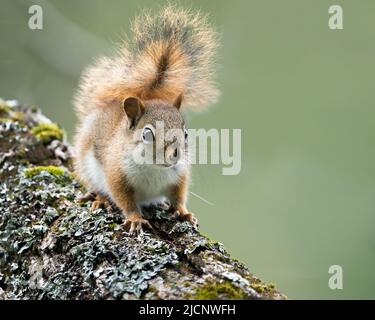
{"x": 89, "y": 196}
{"x": 182, "y": 215}
{"x": 101, "y": 203}
{"x": 134, "y": 224}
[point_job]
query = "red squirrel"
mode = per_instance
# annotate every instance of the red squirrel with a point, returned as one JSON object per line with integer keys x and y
{"x": 166, "y": 68}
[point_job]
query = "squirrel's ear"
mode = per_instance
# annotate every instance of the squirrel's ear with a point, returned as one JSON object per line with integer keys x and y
{"x": 134, "y": 109}
{"x": 178, "y": 102}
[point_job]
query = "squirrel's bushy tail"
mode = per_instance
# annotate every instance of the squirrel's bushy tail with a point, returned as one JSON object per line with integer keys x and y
{"x": 175, "y": 54}
{"x": 171, "y": 53}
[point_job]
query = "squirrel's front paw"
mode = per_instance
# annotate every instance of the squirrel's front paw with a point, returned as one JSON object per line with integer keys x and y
{"x": 183, "y": 215}
{"x": 101, "y": 202}
{"x": 89, "y": 196}
{"x": 134, "y": 223}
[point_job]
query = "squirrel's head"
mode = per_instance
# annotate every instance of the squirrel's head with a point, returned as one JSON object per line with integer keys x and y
{"x": 159, "y": 132}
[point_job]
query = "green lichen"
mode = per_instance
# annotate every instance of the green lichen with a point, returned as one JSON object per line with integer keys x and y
{"x": 6, "y": 120}
{"x": 46, "y": 132}
{"x": 224, "y": 259}
{"x": 114, "y": 227}
{"x": 223, "y": 290}
{"x": 55, "y": 171}
{"x": 7, "y": 114}
{"x": 263, "y": 288}
{"x": 4, "y": 109}
{"x": 152, "y": 293}
{"x": 17, "y": 116}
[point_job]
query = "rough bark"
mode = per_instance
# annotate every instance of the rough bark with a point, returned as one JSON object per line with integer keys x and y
{"x": 51, "y": 247}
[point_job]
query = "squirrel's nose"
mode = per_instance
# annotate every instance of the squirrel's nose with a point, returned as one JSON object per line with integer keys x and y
{"x": 172, "y": 155}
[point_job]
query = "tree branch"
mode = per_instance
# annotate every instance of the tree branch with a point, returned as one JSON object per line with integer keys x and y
{"x": 51, "y": 247}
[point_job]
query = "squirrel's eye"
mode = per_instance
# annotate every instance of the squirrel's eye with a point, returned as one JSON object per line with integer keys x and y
{"x": 186, "y": 134}
{"x": 147, "y": 135}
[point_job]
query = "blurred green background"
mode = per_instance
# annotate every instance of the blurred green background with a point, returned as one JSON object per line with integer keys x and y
{"x": 303, "y": 96}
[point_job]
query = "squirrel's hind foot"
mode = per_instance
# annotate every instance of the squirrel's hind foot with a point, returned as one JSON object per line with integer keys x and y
{"x": 184, "y": 215}
{"x": 134, "y": 224}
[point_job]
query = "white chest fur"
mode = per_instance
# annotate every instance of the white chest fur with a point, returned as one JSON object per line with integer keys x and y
{"x": 94, "y": 173}
{"x": 151, "y": 182}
